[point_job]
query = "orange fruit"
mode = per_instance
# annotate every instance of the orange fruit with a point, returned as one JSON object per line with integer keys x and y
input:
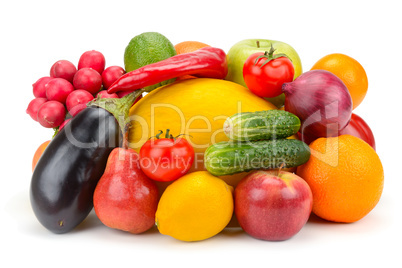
{"x": 186, "y": 47}
{"x": 346, "y": 178}
{"x": 189, "y": 46}
{"x": 38, "y": 153}
{"x": 350, "y": 71}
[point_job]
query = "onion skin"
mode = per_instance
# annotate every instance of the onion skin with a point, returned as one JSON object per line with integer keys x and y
{"x": 321, "y": 101}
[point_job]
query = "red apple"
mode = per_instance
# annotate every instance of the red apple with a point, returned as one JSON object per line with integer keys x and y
{"x": 272, "y": 205}
{"x": 124, "y": 198}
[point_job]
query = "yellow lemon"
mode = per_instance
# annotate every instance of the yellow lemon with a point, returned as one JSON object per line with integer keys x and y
{"x": 195, "y": 207}
{"x": 196, "y": 108}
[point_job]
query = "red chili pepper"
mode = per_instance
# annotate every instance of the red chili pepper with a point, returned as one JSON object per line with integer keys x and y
{"x": 205, "y": 62}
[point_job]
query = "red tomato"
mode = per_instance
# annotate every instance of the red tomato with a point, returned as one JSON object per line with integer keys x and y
{"x": 357, "y": 127}
{"x": 265, "y": 73}
{"x": 166, "y": 159}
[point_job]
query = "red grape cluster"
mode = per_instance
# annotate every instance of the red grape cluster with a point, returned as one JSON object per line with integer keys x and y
{"x": 68, "y": 89}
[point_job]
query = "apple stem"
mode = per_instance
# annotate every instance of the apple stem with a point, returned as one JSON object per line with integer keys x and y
{"x": 279, "y": 169}
{"x": 258, "y": 44}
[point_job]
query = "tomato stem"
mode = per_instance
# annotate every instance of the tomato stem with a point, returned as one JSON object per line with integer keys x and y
{"x": 269, "y": 55}
{"x": 159, "y": 134}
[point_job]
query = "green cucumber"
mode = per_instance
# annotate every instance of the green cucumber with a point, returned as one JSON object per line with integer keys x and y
{"x": 262, "y": 125}
{"x": 226, "y": 158}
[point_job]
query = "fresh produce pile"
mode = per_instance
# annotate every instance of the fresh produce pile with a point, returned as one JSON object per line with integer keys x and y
{"x": 194, "y": 140}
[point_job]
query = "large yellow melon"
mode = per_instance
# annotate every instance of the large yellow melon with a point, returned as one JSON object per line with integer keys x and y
{"x": 196, "y": 108}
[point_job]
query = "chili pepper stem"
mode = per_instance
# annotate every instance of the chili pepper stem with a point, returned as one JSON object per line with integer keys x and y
{"x": 119, "y": 108}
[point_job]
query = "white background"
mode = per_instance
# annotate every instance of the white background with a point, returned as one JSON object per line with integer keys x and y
{"x": 35, "y": 34}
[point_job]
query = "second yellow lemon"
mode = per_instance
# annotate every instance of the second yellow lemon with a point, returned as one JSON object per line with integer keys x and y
{"x": 195, "y": 207}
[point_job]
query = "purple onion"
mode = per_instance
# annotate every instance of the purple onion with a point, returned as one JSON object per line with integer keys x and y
{"x": 321, "y": 101}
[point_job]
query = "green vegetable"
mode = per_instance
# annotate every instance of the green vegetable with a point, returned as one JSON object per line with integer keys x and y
{"x": 263, "y": 125}
{"x": 225, "y": 158}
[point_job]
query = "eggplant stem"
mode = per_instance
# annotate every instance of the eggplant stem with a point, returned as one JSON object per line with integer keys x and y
{"x": 119, "y": 108}
{"x": 125, "y": 142}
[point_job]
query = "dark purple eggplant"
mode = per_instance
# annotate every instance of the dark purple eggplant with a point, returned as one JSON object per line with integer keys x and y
{"x": 65, "y": 177}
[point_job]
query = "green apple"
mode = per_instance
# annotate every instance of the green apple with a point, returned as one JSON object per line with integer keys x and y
{"x": 240, "y": 51}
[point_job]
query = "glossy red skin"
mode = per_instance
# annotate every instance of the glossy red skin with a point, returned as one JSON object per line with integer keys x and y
{"x": 270, "y": 207}
{"x": 77, "y": 101}
{"x": 267, "y": 81}
{"x": 166, "y": 159}
{"x": 33, "y": 107}
{"x": 92, "y": 59}
{"x": 51, "y": 114}
{"x": 63, "y": 69}
{"x": 105, "y": 95}
{"x": 58, "y": 89}
{"x": 357, "y": 127}
{"x": 111, "y": 74}
{"x": 88, "y": 79}
{"x": 124, "y": 197}
{"x": 208, "y": 62}
{"x": 39, "y": 89}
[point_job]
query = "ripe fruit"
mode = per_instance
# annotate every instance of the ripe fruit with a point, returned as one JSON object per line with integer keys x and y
{"x": 166, "y": 159}
{"x": 63, "y": 69}
{"x": 189, "y": 46}
{"x": 350, "y": 71}
{"x": 147, "y": 48}
{"x": 33, "y": 107}
{"x": 39, "y": 89}
{"x": 124, "y": 197}
{"x": 38, "y": 153}
{"x": 272, "y": 205}
{"x": 240, "y": 51}
{"x": 346, "y": 178}
{"x": 88, "y": 79}
{"x": 196, "y": 108}
{"x": 195, "y": 207}
{"x": 58, "y": 89}
{"x": 265, "y": 73}
{"x": 51, "y": 114}
{"x": 111, "y": 74}
{"x": 92, "y": 59}
{"x": 77, "y": 101}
